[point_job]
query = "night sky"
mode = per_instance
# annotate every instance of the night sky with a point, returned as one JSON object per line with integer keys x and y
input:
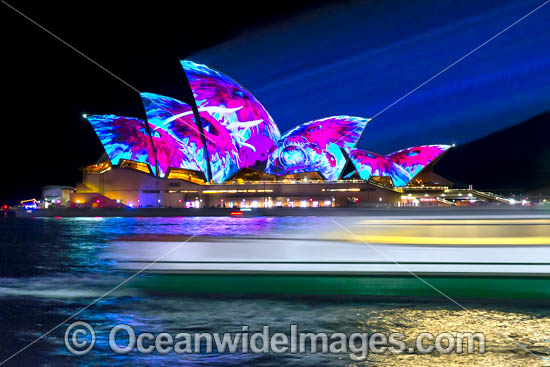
{"x": 303, "y": 62}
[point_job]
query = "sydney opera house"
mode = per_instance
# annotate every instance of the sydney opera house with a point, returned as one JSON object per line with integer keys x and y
{"x": 226, "y": 151}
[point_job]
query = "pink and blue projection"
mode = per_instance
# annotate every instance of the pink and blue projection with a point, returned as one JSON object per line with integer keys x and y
{"x": 239, "y": 133}
{"x": 414, "y": 159}
{"x": 370, "y": 164}
{"x": 182, "y": 146}
{"x": 316, "y": 147}
{"x": 124, "y": 138}
{"x": 240, "y": 126}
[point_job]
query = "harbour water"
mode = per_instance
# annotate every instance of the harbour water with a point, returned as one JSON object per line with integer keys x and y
{"x": 51, "y": 268}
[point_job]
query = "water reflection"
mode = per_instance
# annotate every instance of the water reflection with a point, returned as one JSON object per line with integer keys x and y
{"x": 51, "y": 268}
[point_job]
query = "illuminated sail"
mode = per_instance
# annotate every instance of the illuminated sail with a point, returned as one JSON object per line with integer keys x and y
{"x": 414, "y": 159}
{"x": 370, "y": 164}
{"x": 237, "y": 121}
{"x": 315, "y": 146}
{"x": 124, "y": 138}
{"x": 181, "y": 145}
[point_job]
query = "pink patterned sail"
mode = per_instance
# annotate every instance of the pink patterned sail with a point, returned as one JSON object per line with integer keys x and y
{"x": 344, "y": 131}
{"x": 174, "y": 121}
{"x": 414, "y": 159}
{"x": 251, "y": 129}
{"x": 124, "y": 138}
{"x": 177, "y": 119}
{"x": 223, "y": 150}
{"x": 316, "y": 147}
{"x": 370, "y": 164}
{"x": 169, "y": 152}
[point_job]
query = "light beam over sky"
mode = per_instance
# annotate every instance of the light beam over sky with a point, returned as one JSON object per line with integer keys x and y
{"x": 358, "y": 58}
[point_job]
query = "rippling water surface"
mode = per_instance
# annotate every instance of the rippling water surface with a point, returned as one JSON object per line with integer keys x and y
{"x": 51, "y": 268}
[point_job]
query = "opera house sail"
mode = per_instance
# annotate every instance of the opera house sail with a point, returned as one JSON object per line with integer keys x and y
{"x": 316, "y": 146}
{"x": 238, "y": 130}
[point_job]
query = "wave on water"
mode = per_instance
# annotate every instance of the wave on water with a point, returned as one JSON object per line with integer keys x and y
{"x": 65, "y": 287}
